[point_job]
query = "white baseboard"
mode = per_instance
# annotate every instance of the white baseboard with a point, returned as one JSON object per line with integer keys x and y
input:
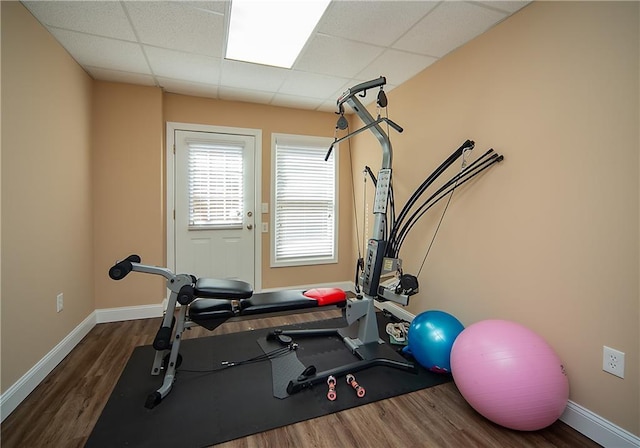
{"x": 18, "y": 391}
{"x": 579, "y": 418}
{"x": 129, "y": 313}
{"x": 597, "y": 428}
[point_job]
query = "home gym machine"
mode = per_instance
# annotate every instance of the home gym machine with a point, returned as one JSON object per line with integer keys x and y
{"x": 361, "y": 335}
{"x": 210, "y": 302}
{"x": 379, "y": 274}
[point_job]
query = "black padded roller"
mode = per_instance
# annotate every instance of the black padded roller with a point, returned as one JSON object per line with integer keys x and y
{"x": 186, "y": 295}
{"x": 162, "y": 340}
{"x": 134, "y": 258}
{"x": 122, "y": 268}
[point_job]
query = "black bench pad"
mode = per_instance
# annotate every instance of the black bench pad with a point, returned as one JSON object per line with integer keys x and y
{"x": 203, "y": 309}
{"x": 268, "y": 302}
{"x": 210, "y": 309}
{"x": 214, "y": 288}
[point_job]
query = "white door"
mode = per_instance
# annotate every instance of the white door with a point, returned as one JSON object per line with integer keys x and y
{"x": 214, "y": 200}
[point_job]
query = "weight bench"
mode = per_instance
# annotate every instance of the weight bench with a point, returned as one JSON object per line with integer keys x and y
{"x": 209, "y": 303}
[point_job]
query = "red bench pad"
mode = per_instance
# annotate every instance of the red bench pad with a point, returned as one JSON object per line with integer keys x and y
{"x": 327, "y": 296}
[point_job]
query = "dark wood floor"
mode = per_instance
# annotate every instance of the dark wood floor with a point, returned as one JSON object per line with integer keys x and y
{"x": 62, "y": 411}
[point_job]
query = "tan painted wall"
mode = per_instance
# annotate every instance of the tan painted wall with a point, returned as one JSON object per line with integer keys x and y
{"x": 549, "y": 238}
{"x": 186, "y": 109}
{"x": 46, "y": 193}
{"x": 129, "y": 207}
{"x": 128, "y": 182}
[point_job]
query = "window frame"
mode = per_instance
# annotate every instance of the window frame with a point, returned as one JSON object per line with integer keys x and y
{"x": 322, "y": 143}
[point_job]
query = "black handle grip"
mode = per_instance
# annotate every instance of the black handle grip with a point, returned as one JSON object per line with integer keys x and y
{"x": 394, "y": 125}
{"x": 120, "y": 270}
{"x": 329, "y": 152}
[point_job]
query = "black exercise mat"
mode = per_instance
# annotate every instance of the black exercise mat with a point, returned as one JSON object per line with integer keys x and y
{"x": 204, "y": 409}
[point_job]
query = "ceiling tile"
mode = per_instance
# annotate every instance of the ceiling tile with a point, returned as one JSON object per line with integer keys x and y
{"x": 252, "y": 76}
{"x": 335, "y": 56}
{"x": 244, "y": 95}
{"x": 284, "y": 100}
{"x": 448, "y": 26}
{"x": 184, "y": 66}
{"x": 178, "y": 26}
{"x": 311, "y": 84}
{"x": 118, "y": 76}
{"x": 188, "y": 88}
{"x": 99, "y": 17}
{"x": 507, "y": 6}
{"x": 368, "y": 21}
{"x": 182, "y": 42}
{"x": 102, "y": 52}
{"x": 328, "y": 106}
{"x": 397, "y": 66}
{"x": 219, "y": 6}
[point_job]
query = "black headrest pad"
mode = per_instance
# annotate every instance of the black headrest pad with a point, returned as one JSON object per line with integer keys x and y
{"x": 214, "y": 288}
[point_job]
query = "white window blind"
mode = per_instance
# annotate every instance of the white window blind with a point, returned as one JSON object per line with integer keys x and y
{"x": 215, "y": 185}
{"x": 304, "y": 230}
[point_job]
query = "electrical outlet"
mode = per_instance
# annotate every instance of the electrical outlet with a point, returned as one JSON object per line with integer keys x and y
{"x": 613, "y": 361}
{"x": 59, "y": 302}
{"x": 265, "y": 227}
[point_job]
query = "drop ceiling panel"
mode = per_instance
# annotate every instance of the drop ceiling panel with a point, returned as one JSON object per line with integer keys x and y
{"x": 397, "y": 66}
{"x": 448, "y": 26}
{"x": 183, "y": 66}
{"x": 506, "y": 6}
{"x": 311, "y": 85}
{"x": 103, "y": 74}
{"x": 101, "y": 52}
{"x": 335, "y": 56}
{"x": 377, "y": 23}
{"x": 252, "y": 76}
{"x": 99, "y": 17}
{"x": 245, "y": 95}
{"x": 179, "y": 45}
{"x": 328, "y": 106}
{"x": 284, "y": 100}
{"x": 178, "y": 26}
{"x": 188, "y": 88}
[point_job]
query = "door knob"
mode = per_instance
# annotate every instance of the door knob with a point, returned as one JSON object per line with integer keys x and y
{"x": 249, "y": 226}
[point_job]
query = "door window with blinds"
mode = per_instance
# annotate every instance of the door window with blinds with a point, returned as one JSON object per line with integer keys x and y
{"x": 304, "y": 199}
{"x": 216, "y": 197}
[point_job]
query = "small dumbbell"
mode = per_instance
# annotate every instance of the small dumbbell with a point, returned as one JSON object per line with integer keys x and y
{"x": 331, "y": 381}
{"x": 351, "y": 380}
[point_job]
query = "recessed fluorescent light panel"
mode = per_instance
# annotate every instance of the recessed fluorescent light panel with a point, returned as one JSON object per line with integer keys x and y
{"x": 271, "y": 32}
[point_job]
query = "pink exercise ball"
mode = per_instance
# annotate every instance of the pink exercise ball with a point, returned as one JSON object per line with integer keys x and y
{"x": 509, "y": 374}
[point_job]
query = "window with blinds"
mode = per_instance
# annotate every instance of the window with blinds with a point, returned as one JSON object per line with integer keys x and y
{"x": 304, "y": 201}
{"x": 215, "y": 185}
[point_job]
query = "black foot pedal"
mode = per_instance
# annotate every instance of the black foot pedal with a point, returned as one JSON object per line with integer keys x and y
{"x": 153, "y": 400}
{"x": 309, "y": 371}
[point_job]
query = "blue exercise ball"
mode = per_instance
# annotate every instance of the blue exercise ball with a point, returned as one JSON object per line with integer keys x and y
{"x": 430, "y": 339}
